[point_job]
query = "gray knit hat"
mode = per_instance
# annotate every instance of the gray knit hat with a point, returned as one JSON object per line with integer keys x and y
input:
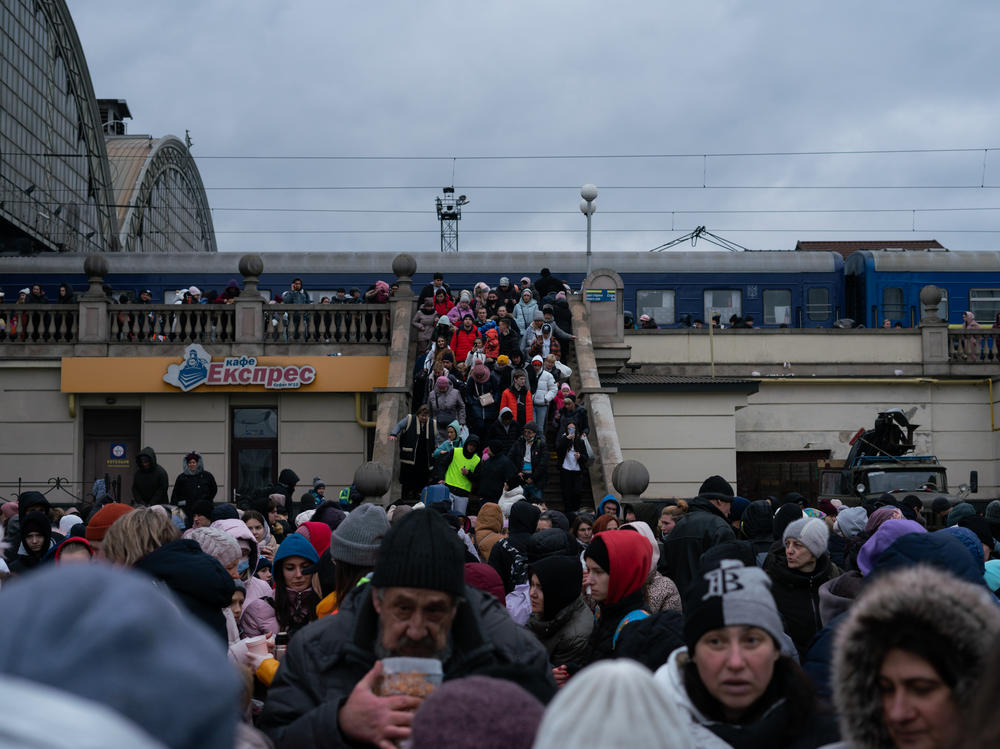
{"x": 357, "y": 539}
{"x": 851, "y": 521}
{"x": 318, "y": 482}
{"x": 217, "y": 543}
{"x": 811, "y": 532}
{"x": 732, "y": 595}
{"x": 993, "y": 511}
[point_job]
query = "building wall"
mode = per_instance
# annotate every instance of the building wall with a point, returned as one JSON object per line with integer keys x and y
{"x": 317, "y": 432}
{"x": 681, "y": 438}
{"x": 759, "y": 349}
{"x": 954, "y": 422}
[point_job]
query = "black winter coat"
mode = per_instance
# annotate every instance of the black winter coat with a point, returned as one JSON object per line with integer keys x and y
{"x": 149, "y": 487}
{"x": 193, "y": 487}
{"x": 328, "y": 658}
{"x": 492, "y": 475}
{"x": 197, "y": 579}
{"x": 701, "y": 528}
{"x": 602, "y": 646}
{"x": 566, "y": 636}
{"x": 539, "y": 459}
{"x": 796, "y": 595}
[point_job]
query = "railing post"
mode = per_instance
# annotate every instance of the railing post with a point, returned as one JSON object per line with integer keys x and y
{"x": 933, "y": 333}
{"x": 249, "y": 304}
{"x": 392, "y": 400}
{"x": 93, "y": 324}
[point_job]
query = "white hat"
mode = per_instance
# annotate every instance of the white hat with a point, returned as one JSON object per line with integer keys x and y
{"x": 194, "y": 291}
{"x": 25, "y": 291}
{"x": 537, "y": 358}
{"x": 578, "y": 716}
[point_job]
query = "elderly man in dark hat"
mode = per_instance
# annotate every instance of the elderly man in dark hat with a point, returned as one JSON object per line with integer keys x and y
{"x": 417, "y": 605}
{"x": 706, "y": 524}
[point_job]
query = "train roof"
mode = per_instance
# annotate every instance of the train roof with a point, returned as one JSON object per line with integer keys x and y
{"x": 488, "y": 263}
{"x": 962, "y": 261}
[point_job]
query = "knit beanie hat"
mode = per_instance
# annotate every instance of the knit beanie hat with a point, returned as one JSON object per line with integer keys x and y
{"x": 628, "y": 556}
{"x": 37, "y": 522}
{"x": 579, "y": 714}
{"x": 992, "y": 575}
{"x": 882, "y": 539}
{"x": 732, "y": 595}
{"x": 716, "y": 487}
{"x": 357, "y": 540}
{"x": 485, "y": 578}
{"x": 993, "y": 511}
{"x": 296, "y": 545}
{"x": 505, "y": 715}
{"x": 66, "y": 523}
{"x": 959, "y": 511}
{"x": 103, "y": 518}
{"x": 881, "y": 515}
{"x": 217, "y": 543}
{"x": 203, "y": 507}
{"x": 224, "y": 511}
{"x": 421, "y": 551}
{"x": 785, "y": 515}
{"x": 9, "y": 510}
{"x": 503, "y": 359}
{"x": 318, "y": 482}
{"x": 980, "y": 527}
{"x": 940, "y": 504}
{"x": 811, "y": 532}
{"x": 851, "y": 521}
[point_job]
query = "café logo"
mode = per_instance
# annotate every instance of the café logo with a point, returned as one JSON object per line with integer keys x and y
{"x": 197, "y": 368}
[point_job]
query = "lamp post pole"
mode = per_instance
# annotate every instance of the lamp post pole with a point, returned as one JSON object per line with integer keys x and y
{"x": 589, "y": 194}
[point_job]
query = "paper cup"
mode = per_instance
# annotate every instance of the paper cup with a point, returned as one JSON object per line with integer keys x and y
{"x": 257, "y": 645}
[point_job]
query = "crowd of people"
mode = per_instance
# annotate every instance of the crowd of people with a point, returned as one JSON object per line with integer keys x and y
{"x": 714, "y": 621}
{"x": 491, "y": 395}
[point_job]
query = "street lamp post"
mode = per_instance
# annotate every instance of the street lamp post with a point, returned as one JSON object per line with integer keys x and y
{"x": 589, "y": 194}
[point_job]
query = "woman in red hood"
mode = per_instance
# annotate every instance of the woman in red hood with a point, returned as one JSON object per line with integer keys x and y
{"x": 617, "y": 566}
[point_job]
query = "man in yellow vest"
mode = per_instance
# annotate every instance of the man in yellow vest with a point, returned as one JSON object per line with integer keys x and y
{"x": 462, "y": 471}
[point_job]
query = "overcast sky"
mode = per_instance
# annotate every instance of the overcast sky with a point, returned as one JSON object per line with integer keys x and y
{"x": 433, "y": 79}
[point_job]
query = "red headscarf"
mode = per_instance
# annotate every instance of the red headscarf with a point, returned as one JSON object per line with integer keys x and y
{"x": 318, "y": 534}
{"x": 630, "y": 556}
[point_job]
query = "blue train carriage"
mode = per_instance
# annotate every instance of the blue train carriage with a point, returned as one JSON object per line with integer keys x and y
{"x": 886, "y": 284}
{"x": 798, "y": 289}
{"x": 777, "y": 288}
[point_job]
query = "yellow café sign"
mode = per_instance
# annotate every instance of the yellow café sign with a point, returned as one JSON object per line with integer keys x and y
{"x": 196, "y": 372}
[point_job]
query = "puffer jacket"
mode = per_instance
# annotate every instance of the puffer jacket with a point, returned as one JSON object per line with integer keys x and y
{"x": 330, "y": 656}
{"x": 796, "y": 595}
{"x": 524, "y": 313}
{"x": 446, "y": 407}
{"x": 489, "y": 527}
{"x": 960, "y": 620}
{"x": 566, "y": 636}
{"x": 149, "y": 486}
{"x": 428, "y": 320}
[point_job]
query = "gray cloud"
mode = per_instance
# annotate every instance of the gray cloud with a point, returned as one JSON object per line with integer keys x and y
{"x": 393, "y": 78}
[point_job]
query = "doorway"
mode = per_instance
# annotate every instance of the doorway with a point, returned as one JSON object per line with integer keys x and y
{"x": 254, "y": 461}
{"x": 110, "y": 444}
{"x": 763, "y": 474}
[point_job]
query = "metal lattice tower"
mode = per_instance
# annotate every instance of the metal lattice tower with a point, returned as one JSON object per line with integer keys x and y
{"x": 449, "y": 211}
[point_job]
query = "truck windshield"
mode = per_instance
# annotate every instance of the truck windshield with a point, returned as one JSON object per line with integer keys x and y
{"x": 887, "y": 481}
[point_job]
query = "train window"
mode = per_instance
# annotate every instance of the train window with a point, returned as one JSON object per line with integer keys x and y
{"x": 893, "y": 307}
{"x": 942, "y": 308}
{"x": 777, "y": 307}
{"x": 984, "y": 304}
{"x": 657, "y": 303}
{"x": 723, "y": 302}
{"x": 818, "y": 303}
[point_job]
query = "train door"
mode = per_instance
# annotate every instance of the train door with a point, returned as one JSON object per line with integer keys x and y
{"x": 110, "y": 444}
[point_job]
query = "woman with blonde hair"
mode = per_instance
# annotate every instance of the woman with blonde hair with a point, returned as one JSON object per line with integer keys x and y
{"x": 133, "y": 536}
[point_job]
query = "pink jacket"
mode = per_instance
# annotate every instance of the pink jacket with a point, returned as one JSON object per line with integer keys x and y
{"x": 258, "y": 618}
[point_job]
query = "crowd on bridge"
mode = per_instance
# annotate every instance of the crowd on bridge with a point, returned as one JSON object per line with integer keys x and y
{"x": 299, "y": 618}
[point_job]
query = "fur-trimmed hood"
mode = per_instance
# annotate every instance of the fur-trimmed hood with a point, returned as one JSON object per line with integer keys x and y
{"x": 960, "y": 619}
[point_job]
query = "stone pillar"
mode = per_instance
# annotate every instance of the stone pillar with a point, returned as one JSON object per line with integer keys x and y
{"x": 933, "y": 333}
{"x": 603, "y": 436}
{"x": 393, "y": 399}
{"x": 93, "y": 322}
{"x": 250, "y": 304}
{"x": 372, "y": 479}
{"x": 630, "y": 478}
{"x": 603, "y": 295}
